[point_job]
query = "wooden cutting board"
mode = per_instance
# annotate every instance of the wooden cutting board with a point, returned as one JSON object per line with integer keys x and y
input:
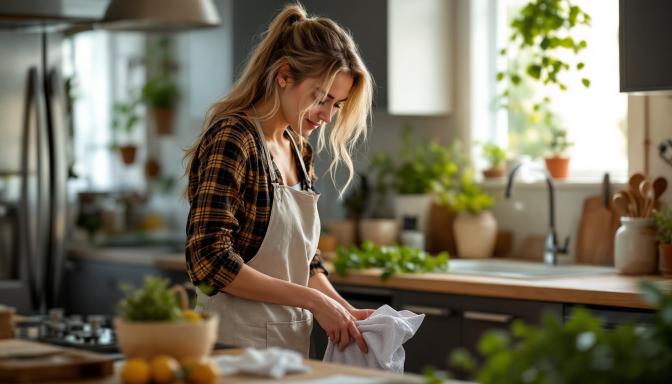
{"x": 23, "y": 361}
{"x": 597, "y": 227}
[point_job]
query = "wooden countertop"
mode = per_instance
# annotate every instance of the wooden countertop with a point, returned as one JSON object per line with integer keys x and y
{"x": 609, "y": 289}
{"x": 320, "y": 371}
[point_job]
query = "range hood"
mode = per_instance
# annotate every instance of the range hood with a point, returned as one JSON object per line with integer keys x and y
{"x": 122, "y": 15}
{"x": 159, "y": 15}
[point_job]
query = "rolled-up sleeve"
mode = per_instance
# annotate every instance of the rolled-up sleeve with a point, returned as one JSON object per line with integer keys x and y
{"x": 316, "y": 265}
{"x": 220, "y": 168}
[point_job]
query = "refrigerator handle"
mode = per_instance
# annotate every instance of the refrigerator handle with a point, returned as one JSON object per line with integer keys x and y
{"x": 57, "y": 188}
{"x": 24, "y": 219}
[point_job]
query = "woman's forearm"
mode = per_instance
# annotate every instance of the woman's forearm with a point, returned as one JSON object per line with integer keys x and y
{"x": 320, "y": 282}
{"x": 251, "y": 284}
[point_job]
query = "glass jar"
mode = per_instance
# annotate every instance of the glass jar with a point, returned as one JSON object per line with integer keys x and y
{"x": 635, "y": 246}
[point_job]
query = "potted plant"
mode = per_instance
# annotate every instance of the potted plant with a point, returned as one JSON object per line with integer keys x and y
{"x": 542, "y": 30}
{"x": 154, "y": 320}
{"x": 663, "y": 220}
{"x": 557, "y": 163}
{"x": 415, "y": 175}
{"x": 496, "y": 158}
{"x": 161, "y": 93}
{"x": 475, "y": 227}
{"x": 125, "y": 118}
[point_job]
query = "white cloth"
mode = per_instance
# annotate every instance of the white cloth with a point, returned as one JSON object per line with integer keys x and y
{"x": 384, "y": 332}
{"x": 273, "y": 362}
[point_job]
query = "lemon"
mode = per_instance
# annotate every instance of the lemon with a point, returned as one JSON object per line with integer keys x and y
{"x": 136, "y": 371}
{"x": 191, "y": 315}
{"x": 165, "y": 369}
{"x": 200, "y": 371}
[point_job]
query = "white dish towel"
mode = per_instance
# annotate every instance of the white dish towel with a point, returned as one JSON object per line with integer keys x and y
{"x": 272, "y": 362}
{"x": 384, "y": 332}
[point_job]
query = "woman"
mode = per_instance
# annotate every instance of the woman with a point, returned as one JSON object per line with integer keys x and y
{"x": 253, "y": 225}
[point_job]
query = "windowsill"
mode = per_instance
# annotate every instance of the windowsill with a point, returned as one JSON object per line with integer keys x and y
{"x": 571, "y": 183}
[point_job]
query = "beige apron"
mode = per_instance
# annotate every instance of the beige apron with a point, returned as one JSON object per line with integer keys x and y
{"x": 285, "y": 253}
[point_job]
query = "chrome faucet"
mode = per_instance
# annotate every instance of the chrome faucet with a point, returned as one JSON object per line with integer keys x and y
{"x": 551, "y": 246}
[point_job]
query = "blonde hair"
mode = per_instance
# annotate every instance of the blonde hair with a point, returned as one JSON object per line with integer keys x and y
{"x": 313, "y": 47}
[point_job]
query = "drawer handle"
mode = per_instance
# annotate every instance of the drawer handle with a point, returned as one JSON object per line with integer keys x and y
{"x": 432, "y": 311}
{"x": 485, "y": 316}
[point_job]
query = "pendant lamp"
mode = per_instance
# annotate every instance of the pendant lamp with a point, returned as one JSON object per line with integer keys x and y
{"x": 160, "y": 15}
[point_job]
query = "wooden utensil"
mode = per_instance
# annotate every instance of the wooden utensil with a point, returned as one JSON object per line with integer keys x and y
{"x": 622, "y": 203}
{"x": 634, "y": 182}
{"x": 659, "y": 187}
{"x": 597, "y": 227}
{"x": 646, "y": 194}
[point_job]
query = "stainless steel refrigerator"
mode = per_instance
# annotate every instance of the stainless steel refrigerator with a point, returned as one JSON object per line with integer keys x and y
{"x": 33, "y": 169}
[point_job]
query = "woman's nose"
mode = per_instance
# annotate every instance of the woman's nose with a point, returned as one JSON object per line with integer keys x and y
{"x": 325, "y": 113}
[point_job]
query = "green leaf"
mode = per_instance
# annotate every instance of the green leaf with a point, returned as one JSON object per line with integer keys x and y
{"x": 580, "y": 66}
{"x": 534, "y": 71}
{"x": 585, "y": 82}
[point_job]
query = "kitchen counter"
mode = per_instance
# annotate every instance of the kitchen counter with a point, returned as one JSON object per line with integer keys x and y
{"x": 609, "y": 289}
{"x": 320, "y": 371}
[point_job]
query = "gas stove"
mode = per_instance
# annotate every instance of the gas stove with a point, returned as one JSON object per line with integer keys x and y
{"x": 93, "y": 333}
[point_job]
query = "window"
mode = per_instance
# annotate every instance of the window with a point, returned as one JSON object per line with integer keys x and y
{"x": 595, "y": 118}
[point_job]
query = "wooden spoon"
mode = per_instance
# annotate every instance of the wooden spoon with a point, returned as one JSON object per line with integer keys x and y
{"x": 634, "y": 182}
{"x": 659, "y": 187}
{"x": 623, "y": 203}
{"x": 647, "y": 198}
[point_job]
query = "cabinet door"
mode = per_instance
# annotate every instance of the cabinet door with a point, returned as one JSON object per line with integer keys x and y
{"x": 438, "y": 335}
{"x": 480, "y": 315}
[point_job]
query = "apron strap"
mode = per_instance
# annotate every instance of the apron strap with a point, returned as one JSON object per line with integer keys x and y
{"x": 300, "y": 157}
{"x": 269, "y": 161}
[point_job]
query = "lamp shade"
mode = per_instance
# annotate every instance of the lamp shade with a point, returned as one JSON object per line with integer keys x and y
{"x": 160, "y": 15}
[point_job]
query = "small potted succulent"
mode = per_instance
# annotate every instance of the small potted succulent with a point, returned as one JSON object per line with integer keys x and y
{"x": 663, "y": 220}
{"x": 496, "y": 158}
{"x": 475, "y": 227}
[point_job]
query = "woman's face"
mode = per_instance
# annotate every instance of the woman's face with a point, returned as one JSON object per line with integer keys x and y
{"x": 296, "y": 97}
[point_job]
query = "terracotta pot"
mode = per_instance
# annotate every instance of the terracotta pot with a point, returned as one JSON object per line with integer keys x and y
{"x": 179, "y": 339}
{"x": 494, "y": 173}
{"x": 557, "y": 166}
{"x": 128, "y": 153}
{"x": 379, "y": 231}
{"x": 152, "y": 168}
{"x": 163, "y": 120}
{"x": 665, "y": 251}
{"x": 475, "y": 234}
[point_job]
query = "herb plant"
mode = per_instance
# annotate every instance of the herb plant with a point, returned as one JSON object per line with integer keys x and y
{"x": 663, "y": 221}
{"x": 469, "y": 197}
{"x": 154, "y": 301}
{"x": 494, "y": 155}
{"x": 161, "y": 90}
{"x": 125, "y": 117}
{"x": 392, "y": 259}
{"x": 578, "y": 351}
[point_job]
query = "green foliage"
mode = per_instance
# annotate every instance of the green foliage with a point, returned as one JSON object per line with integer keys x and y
{"x": 152, "y": 302}
{"x": 392, "y": 259}
{"x": 664, "y": 225}
{"x": 494, "y": 154}
{"x": 542, "y": 29}
{"x": 559, "y": 142}
{"x": 579, "y": 351}
{"x": 125, "y": 117}
{"x": 469, "y": 197}
{"x": 418, "y": 168}
{"x": 161, "y": 90}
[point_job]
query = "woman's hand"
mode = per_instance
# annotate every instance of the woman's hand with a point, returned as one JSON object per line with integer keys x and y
{"x": 361, "y": 314}
{"x": 338, "y": 323}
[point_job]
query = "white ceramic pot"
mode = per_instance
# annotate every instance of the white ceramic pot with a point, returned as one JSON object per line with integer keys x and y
{"x": 379, "y": 231}
{"x": 475, "y": 234}
{"x": 417, "y": 206}
{"x": 635, "y": 249}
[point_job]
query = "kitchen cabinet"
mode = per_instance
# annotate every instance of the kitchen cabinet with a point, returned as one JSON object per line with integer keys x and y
{"x": 93, "y": 287}
{"x": 419, "y": 45}
{"x": 613, "y": 317}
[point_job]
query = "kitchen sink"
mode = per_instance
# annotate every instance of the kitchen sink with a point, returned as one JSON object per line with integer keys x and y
{"x": 521, "y": 269}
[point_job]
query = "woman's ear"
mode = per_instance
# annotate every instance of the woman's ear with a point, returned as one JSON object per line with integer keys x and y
{"x": 283, "y": 77}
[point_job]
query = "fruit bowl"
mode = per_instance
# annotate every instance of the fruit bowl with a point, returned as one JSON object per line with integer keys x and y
{"x": 179, "y": 339}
